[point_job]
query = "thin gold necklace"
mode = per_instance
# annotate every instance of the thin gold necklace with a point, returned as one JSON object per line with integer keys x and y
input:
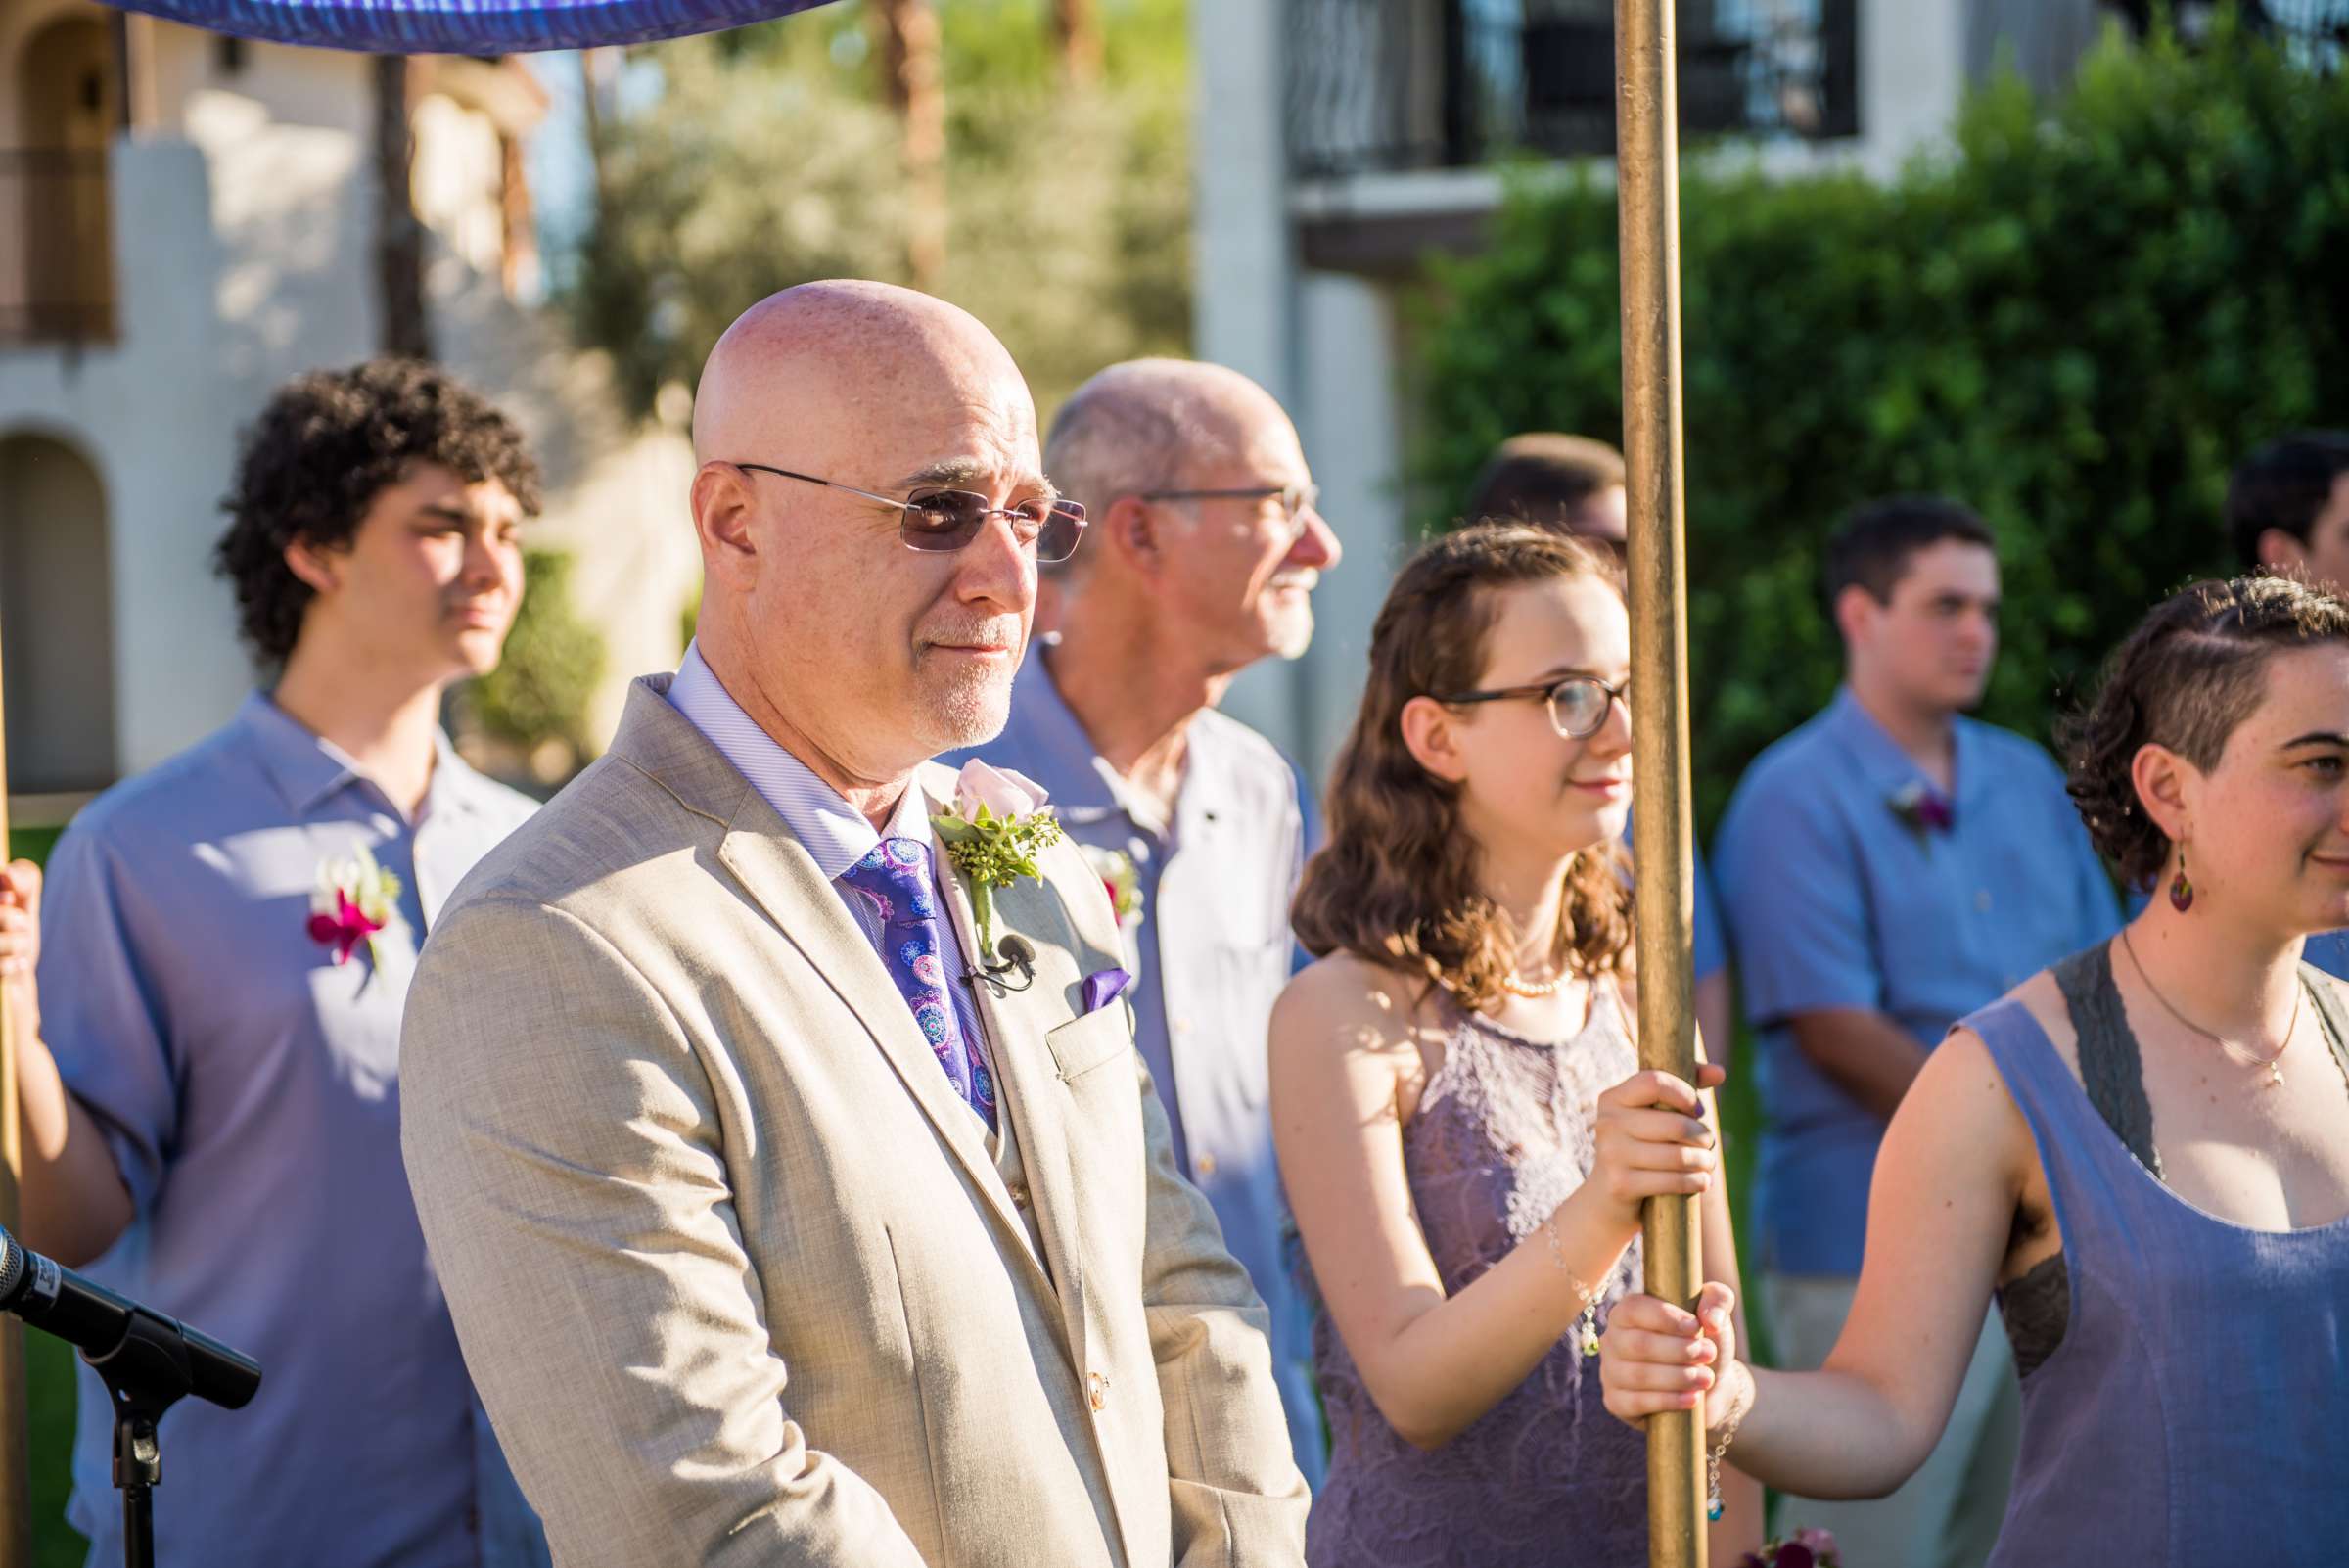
{"x": 2274, "y": 1071}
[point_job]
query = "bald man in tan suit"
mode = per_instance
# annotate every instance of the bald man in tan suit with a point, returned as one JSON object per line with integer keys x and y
{"x": 750, "y": 1266}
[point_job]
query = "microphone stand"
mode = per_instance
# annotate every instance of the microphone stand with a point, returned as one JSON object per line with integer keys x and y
{"x": 146, "y": 1376}
{"x": 149, "y": 1363}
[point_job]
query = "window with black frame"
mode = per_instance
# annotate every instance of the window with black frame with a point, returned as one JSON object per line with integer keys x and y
{"x": 1391, "y": 85}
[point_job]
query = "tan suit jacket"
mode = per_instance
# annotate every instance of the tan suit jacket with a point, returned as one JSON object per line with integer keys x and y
{"x": 732, "y": 1265}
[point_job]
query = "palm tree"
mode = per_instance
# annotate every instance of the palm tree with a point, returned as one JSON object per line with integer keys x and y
{"x": 398, "y": 232}
{"x": 913, "y": 80}
{"x": 1076, "y": 28}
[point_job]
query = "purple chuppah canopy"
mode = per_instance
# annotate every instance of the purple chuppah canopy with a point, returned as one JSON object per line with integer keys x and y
{"x": 466, "y": 27}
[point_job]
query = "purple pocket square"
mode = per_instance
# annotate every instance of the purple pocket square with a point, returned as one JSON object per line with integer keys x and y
{"x": 1100, "y": 990}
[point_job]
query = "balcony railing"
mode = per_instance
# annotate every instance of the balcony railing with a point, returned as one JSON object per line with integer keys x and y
{"x": 2316, "y": 32}
{"x": 1420, "y": 84}
{"x": 56, "y": 246}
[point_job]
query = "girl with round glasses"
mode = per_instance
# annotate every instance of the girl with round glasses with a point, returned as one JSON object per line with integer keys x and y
{"x": 1464, "y": 1133}
{"x": 2143, "y": 1152}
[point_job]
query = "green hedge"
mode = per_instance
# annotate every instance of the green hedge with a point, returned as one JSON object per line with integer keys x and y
{"x": 546, "y": 676}
{"x": 2076, "y": 319}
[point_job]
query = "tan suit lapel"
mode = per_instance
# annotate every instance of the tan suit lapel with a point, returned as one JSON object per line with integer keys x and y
{"x": 777, "y": 871}
{"x": 1016, "y": 1022}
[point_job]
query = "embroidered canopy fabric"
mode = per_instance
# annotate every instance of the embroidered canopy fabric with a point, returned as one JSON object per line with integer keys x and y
{"x": 466, "y": 27}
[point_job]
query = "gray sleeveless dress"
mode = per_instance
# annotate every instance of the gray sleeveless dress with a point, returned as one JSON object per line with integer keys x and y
{"x": 1503, "y": 1133}
{"x": 2195, "y": 1408}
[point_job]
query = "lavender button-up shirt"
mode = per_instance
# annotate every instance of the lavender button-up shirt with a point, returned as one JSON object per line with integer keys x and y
{"x": 834, "y": 833}
{"x": 249, "y": 1088}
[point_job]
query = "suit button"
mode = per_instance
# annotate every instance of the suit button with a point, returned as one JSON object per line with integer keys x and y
{"x": 1182, "y": 1025}
{"x": 1018, "y": 1193}
{"x": 1098, "y": 1384}
{"x": 1205, "y": 1165}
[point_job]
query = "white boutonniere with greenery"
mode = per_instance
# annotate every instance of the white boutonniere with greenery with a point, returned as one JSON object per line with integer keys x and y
{"x": 999, "y": 821}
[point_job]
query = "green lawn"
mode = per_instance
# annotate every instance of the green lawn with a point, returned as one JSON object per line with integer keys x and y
{"x": 50, "y": 1393}
{"x": 49, "y": 1378}
{"x": 1740, "y": 1135}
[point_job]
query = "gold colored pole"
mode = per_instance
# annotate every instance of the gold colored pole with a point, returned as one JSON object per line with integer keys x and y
{"x": 16, "y": 1482}
{"x": 1647, "y": 184}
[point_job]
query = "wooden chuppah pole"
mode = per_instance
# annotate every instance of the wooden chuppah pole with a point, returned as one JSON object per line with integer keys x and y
{"x": 16, "y": 1482}
{"x": 1647, "y": 183}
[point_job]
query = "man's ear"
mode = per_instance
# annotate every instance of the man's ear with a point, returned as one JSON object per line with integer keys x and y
{"x": 721, "y": 503}
{"x": 317, "y": 569}
{"x": 1432, "y": 733}
{"x": 2279, "y": 552}
{"x": 1137, "y": 533}
{"x": 1856, "y": 611}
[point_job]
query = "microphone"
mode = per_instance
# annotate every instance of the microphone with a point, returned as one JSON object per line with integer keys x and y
{"x": 1014, "y": 953}
{"x": 100, "y": 1323}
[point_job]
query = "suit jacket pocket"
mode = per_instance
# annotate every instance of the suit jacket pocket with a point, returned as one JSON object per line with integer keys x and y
{"x": 1083, "y": 1044}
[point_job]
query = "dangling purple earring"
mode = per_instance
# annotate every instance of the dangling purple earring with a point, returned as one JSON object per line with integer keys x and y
{"x": 2181, "y": 891}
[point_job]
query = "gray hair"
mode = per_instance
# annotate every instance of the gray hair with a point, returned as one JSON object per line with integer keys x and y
{"x": 1138, "y": 427}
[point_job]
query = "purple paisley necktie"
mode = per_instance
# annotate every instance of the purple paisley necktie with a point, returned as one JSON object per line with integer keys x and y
{"x": 896, "y": 877}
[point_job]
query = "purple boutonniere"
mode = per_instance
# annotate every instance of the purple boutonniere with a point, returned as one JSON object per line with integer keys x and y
{"x": 1922, "y": 810}
{"x": 1805, "y": 1548}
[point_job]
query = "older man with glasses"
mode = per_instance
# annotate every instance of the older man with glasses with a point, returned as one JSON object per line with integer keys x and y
{"x": 1204, "y": 548}
{"x": 796, "y": 1203}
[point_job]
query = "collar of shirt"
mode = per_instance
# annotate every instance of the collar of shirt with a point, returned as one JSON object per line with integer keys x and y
{"x": 307, "y": 768}
{"x": 1048, "y": 742}
{"x": 1886, "y": 769}
{"x": 818, "y": 815}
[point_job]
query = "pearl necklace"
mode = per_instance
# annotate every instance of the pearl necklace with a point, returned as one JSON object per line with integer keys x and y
{"x": 1530, "y": 990}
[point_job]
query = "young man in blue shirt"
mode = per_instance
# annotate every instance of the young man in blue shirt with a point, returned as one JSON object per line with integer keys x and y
{"x": 209, "y": 1065}
{"x": 1887, "y": 869}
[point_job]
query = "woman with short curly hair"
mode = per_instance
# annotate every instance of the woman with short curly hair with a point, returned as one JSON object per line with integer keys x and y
{"x": 2143, "y": 1151}
{"x": 1463, "y": 1130}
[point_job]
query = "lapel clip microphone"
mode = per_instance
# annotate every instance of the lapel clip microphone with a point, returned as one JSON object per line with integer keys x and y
{"x": 1015, "y": 955}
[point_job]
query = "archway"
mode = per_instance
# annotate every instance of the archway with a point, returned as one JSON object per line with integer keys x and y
{"x": 57, "y": 644}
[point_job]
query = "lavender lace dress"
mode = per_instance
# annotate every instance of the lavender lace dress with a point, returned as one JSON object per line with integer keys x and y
{"x": 1503, "y": 1134}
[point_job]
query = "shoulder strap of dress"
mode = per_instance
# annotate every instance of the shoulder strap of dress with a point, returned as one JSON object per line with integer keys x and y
{"x": 2329, "y": 1012}
{"x": 2111, "y": 1069}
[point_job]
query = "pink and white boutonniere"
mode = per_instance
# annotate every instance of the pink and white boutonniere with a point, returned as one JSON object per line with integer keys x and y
{"x": 998, "y": 822}
{"x": 1923, "y": 810}
{"x": 354, "y": 900}
{"x": 1122, "y": 880}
